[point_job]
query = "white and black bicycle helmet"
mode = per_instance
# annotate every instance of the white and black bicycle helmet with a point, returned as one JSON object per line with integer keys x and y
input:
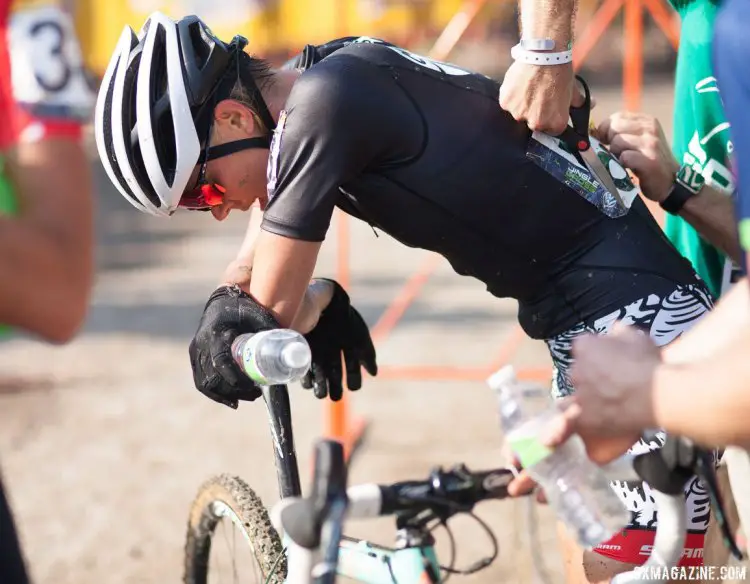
{"x": 155, "y": 104}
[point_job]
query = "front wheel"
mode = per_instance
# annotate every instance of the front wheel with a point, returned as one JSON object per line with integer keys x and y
{"x": 227, "y": 509}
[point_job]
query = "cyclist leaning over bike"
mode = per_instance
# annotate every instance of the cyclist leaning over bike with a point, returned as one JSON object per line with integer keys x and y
{"x": 419, "y": 150}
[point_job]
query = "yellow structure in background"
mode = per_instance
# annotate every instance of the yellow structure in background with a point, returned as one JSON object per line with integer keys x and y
{"x": 271, "y": 25}
{"x": 280, "y": 26}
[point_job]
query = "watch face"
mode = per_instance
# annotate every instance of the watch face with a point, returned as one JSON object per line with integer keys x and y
{"x": 689, "y": 178}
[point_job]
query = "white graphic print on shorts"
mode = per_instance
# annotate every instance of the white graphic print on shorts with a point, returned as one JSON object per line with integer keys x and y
{"x": 665, "y": 319}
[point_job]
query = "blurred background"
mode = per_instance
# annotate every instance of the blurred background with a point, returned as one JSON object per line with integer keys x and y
{"x": 278, "y": 29}
{"x": 105, "y": 442}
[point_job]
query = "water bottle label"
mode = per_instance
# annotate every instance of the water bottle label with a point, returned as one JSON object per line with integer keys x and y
{"x": 249, "y": 363}
{"x": 529, "y": 449}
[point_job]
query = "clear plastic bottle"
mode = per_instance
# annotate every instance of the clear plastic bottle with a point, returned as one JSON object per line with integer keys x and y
{"x": 575, "y": 487}
{"x": 278, "y": 356}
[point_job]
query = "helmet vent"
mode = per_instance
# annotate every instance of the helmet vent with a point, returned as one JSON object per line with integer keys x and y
{"x": 201, "y": 44}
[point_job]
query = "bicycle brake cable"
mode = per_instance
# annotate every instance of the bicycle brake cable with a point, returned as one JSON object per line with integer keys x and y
{"x": 704, "y": 468}
{"x": 479, "y": 565}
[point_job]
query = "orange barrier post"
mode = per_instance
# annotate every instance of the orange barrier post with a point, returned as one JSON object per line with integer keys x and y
{"x": 632, "y": 70}
{"x": 633, "y": 46}
{"x": 455, "y": 29}
{"x": 405, "y": 297}
{"x": 595, "y": 29}
{"x": 340, "y": 425}
{"x": 632, "y": 75}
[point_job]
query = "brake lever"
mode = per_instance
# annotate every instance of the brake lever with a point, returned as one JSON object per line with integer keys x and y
{"x": 670, "y": 468}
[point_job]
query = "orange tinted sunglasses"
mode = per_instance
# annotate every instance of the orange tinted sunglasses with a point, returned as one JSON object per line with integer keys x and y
{"x": 205, "y": 195}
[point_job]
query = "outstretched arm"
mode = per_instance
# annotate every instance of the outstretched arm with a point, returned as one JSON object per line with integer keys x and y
{"x": 638, "y": 141}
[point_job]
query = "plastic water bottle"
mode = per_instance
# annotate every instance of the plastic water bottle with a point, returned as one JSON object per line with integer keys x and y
{"x": 278, "y": 356}
{"x": 575, "y": 487}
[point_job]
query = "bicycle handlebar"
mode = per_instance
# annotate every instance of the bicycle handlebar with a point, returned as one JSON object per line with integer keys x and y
{"x": 444, "y": 493}
{"x": 314, "y": 523}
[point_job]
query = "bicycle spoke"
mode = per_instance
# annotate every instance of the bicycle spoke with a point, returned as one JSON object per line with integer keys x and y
{"x": 224, "y": 521}
{"x": 218, "y": 565}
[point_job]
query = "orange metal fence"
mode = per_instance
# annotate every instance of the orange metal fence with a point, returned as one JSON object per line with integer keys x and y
{"x": 343, "y": 425}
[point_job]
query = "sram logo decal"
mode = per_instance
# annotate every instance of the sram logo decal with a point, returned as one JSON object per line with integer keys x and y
{"x": 425, "y": 62}
{"x": 686, "y": 553}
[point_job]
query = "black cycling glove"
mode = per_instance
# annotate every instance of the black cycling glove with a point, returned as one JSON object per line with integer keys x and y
{"x": 341, "y": 329}
{"x": 228, "y": 313}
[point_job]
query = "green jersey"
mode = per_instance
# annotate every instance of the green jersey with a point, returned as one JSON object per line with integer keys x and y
{"x": 701, "y": 133}
{"x": 8, "y": 206}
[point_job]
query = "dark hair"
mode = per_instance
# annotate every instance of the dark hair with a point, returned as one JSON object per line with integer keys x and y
{"x": 260, "y": 71}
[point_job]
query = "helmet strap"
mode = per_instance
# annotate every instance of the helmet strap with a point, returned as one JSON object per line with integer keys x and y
{"x": 232, "y": 147}
{"x": 260, "y": 104}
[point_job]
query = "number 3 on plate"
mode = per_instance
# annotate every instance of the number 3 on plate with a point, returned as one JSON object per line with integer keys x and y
{"x": 46, "y": 63}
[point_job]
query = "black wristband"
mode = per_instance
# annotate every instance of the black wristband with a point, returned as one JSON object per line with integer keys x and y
{"x": 676, "y": 198}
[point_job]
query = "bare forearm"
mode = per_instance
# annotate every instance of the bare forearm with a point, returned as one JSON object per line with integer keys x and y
{"x": 548, "y": 19}
{"x": 708, "y": 401}
{"x": 716, "y": 330}
{"x": 240, "y": 269}
{"x": 46, "y": 256}
{"x": 711, "y": 213}
{"x": 316, "y": 298}
{"x": 43, "y": 290}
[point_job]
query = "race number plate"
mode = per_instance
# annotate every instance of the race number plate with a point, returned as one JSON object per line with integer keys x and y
{"x": 551, "y": 154}
{"x": 46, "y": 65}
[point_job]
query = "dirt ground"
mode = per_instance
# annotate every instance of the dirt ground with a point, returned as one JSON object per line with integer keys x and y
{"x": 104, "y": 441}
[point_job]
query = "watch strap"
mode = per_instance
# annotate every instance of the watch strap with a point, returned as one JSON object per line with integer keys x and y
{"x": 676, "y": 198}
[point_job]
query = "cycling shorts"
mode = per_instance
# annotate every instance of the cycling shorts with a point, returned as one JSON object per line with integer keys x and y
{"x": 665, "y": 318}
{"x": 12, "y": 568}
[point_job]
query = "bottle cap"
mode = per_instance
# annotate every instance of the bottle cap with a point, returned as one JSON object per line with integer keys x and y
{"x": 502, "y": 377}
{"x": 296, "y": 355}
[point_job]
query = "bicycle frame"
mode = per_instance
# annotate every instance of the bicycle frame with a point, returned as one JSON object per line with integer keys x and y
{"x": 369, "y": 563}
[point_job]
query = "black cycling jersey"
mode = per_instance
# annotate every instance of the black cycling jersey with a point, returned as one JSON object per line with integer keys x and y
{"x": 422, "y": 151}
